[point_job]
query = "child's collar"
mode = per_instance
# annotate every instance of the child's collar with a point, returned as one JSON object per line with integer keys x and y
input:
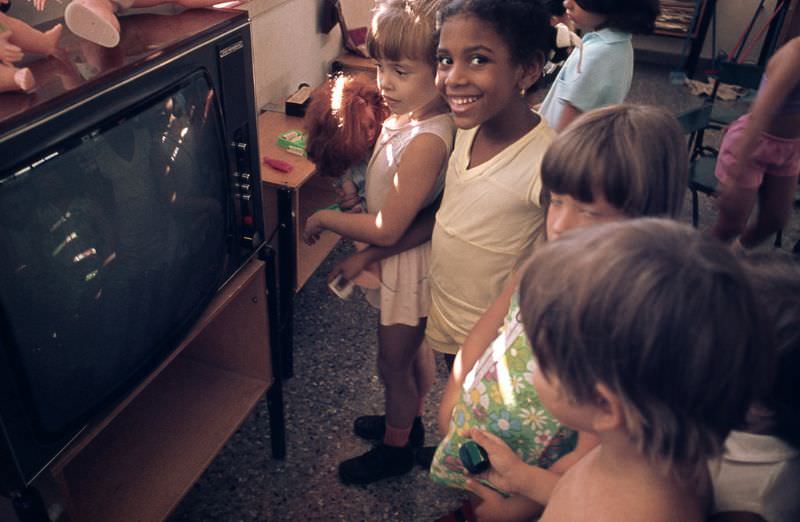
{"x": 609, "y": 35}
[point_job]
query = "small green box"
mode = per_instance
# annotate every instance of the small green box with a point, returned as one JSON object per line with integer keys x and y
{"x": 293, "y": 141}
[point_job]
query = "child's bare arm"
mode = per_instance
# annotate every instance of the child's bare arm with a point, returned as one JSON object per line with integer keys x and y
{"x": 418, "y": 233}
{"x": 478, "y": 340}
{"x": 509, "y": 473}
{"x": 493, "y": 507}
{"x": 422, "y": 162}
{"x": 568, "y": 114}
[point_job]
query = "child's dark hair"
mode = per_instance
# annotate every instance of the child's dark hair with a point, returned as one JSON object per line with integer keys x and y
{"x": 524, "y": 25}
{"x": 660, "y": 314}
{"x": 632, "y": 16}
{"x": 633, "y": 155}
{"x": 775, "y": 276}
{"x": 555, "y": 7}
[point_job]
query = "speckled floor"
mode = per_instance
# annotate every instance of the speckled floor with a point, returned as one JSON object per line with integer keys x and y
{"x": 335, "y": 381}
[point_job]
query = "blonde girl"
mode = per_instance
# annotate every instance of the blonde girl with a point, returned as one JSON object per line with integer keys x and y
{"x": 404, "y": 175}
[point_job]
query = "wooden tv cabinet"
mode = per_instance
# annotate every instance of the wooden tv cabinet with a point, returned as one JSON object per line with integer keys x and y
{"x": 136, "y": 462}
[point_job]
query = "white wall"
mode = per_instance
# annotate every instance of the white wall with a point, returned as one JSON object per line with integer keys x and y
{"x": 288, "y": 48}
{"x": 732, "y": 19}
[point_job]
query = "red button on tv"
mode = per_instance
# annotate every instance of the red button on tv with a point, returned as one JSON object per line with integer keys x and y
{"x": 247, "y": 220}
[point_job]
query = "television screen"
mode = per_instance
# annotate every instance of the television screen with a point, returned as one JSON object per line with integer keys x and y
{"x": 111, "y": 245}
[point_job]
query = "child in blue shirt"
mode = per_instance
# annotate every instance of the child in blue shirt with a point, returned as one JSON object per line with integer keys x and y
{"x": 598, "y": 73}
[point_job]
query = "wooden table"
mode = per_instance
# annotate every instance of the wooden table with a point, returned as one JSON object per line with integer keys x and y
{"x": 295, "y": 195}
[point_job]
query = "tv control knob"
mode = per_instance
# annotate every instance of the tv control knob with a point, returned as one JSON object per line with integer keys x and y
{"x": 245, "y": 187}
{"x": 243, "y": 197}
{"x": 244, "y": 176}
{"x": 239, "y": 145}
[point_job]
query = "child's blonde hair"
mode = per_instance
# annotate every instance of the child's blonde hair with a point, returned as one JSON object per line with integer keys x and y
{"x": 404, "y": 29}
{"x": 661, "y": 315}
{"x": 633, "y": 155}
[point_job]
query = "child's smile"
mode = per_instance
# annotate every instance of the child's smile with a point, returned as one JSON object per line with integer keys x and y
{"x": 476, "y": 73}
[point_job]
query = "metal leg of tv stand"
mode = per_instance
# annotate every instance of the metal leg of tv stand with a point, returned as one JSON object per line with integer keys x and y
{"x": 287, "y": 276}
{"x": 28, "y": 506}
{"x": 277, "y": 424}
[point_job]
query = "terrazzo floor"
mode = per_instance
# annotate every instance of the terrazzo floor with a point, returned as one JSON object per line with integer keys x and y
{"x": 335, "y": 381}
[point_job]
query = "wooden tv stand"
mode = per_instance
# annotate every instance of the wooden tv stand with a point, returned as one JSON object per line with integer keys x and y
{"x": 136, "y": 462}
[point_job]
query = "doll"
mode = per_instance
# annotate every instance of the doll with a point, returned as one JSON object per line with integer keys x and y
{"x": 17, "y": 37}
{"x": 96, "y": 20}
{"x": 342, "y": 123}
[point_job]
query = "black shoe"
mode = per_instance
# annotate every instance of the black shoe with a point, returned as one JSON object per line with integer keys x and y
{"x": 424, "y": 456}
{"x": 373, "y": 427}
{"x": 379, "y": 463}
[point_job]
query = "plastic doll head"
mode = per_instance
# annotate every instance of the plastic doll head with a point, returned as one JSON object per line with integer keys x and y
{"x": 659, "y": 315}
{"x": 342, "y": 123}
{"x": 634, "y": 156}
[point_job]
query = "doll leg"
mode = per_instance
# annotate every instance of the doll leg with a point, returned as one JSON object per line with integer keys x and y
{"x": 30, "y": 39}
{"x": 13, "y": 79}
{"x": 93, "y": 20}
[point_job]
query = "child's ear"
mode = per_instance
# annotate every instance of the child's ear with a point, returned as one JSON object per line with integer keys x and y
{"x": 608, "y": 410}
{"x": 530, "y": 72}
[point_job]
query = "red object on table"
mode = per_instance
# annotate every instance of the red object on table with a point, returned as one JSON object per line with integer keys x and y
{"x": 280, "y": 165}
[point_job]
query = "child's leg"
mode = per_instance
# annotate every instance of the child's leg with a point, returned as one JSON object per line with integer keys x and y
{"x": 775, "y": 199}
{"x": 398, "y": 347}
{"x": 734, "y": 205}
{"x": 424, "y": 374}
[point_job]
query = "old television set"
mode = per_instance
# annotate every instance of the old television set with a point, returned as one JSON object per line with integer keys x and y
{"x": 129, "y": 195}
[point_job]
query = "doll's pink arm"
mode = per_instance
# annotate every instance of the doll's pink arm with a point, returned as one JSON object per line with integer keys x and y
{"x": 9, "y": 52}
{"x": 30, "y": 39}
{"x": 37, "y": 4}
{"x": 14, "y": 79}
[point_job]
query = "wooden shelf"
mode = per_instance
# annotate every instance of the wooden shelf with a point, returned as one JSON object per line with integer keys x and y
{"x": 137, "y": 462}
{"x": 350, "y": 63}
{"x": 309, "y": 193}
{"x": 677, "y": 17}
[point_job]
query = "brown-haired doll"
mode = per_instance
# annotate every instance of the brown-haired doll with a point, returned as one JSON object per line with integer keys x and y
{"x": 342, "y": 124}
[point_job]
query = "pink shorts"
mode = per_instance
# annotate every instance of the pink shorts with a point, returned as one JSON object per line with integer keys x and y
{"x": 773, "y": 157}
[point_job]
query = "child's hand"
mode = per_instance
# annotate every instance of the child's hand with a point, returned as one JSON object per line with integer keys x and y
{"x": 492, "y": 505}
{"x": 313, "y": 229}
{"x": 504, "y": 462}
{"x": 348, "y": 202}
{"x": 350, "y": 266}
